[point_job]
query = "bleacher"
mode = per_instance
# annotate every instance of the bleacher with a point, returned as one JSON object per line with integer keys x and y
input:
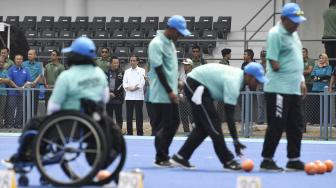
{"x": 121, "y": 36}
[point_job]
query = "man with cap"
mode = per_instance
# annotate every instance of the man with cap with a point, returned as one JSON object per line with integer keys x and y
{"x": 221, "y": 83}
{"x": 226, "y": 53}
{"x": 163, "y": 88}
{"x": 284, "y": 89}
{"x": 184, "y": 104}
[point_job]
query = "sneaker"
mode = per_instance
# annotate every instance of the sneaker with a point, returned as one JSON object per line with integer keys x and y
{"x": 232, "y": 165}
{"x": 295, "y": 165}
{"x": 269, "y": 165}
{"x": 7, "y": 163}
{"x": 179, "y": 161}
{"x": 163, "y": 164}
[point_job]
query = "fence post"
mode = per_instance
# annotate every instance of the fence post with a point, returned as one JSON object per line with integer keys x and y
{"x": 325, "y": 112}
{"x": 246, "y": 112}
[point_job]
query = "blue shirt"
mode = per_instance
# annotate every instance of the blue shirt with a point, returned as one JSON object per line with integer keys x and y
{"x": 19, "y": 76}
{"x": 34, "y": 68}
{"x": 318, "y": 86}
{"x": 3, "y": 74}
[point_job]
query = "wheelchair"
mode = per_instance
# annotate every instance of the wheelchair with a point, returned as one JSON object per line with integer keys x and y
{"x": 69, "y": 148}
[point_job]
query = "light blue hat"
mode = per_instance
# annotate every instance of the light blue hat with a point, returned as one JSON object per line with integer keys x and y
{"x": 178, "y": 22}
{"x": 83, "y": 46}
{"x": 256, "y": 70}
{"x": 293, "y": 12}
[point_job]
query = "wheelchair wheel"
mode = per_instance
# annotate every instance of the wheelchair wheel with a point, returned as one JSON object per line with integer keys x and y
{"x": 116, "y": 155}
{"x": 62, "y": 145}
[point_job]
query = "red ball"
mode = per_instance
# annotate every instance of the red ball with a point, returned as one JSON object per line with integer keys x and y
{"x": 329, "y": 164}
{"x": 247, "y": 165}
{"x": 310, "y": 168}
{"x": 321, "y": 168}
{"x": 103, "y": 174}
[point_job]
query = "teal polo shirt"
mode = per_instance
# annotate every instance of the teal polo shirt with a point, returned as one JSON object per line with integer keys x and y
{"x": 3, "y": 75}
{"x": 222, "y": 81}
{"x": 286, "y": 49}
{"x": 80, "y": 81}
{"x": 161, "y": 51}
{"x": 34, "y": 68}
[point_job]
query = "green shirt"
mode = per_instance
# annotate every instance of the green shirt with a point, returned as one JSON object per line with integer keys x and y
{"x": 286, "y": 49}
{"x": 329, "y": 17}
{"x": 8, "y": 63}
{"x": 162, "y": 52}
{"x": 52, "y": 71}
{"x": 224, "y": 62}
{"x": 309, "y": 62}
{"x": 104, "y": 64}
{"x": 80, "y": 81}
{"x": 222, "y": 81}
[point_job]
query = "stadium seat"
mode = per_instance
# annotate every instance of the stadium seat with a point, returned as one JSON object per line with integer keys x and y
{"x": 207, "y": 46}
{"x": 31, "y": 36}
{"x": 180, "y": 52}
{"x": 45, "y": 35}
{"x": 1, "y": 18}
{"x": 150, "y": 24}
{"x": 84, "y": 33}
{"x": 65, "y": 38}
{"x": 188, "y": 41}
{"x": 222, "y": 26}
{"x": 190, "y": 22}
{"x": 48, "y": 49}
{"x": 163, "y": 24}
{"x": 81, "y": 24}
{"x": 13, "y": 20}
{"x": 135, "y": 34}
{"x": 116, "y": 23}
{"x": 122, "y": 52}
{"x": 29, "y": 22}
{"x": 63, "y": 23}
{"x": 46, "y": 23}
{"x": 100, "y": 35}
{"x": 120, "y": 35}
{"x": 97, "y": 24}
{"x": 133, "y": 23}
{"x": 141, "y": 52}
{"x": 204, "y": 23}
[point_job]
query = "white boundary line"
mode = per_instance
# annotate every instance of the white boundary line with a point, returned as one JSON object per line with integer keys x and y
{"x": 183, "y": 138}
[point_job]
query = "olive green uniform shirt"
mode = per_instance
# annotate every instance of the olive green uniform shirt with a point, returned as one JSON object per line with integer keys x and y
{"x": 52, "y": 71}
{"x": 104, "y": 64}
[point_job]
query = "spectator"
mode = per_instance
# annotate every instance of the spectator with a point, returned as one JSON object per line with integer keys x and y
{"x": 248, "y": 57}
{"x": 14, "y": 104}
{"x": 197, "y": 57}
{"x": 133, "y": 83}
{"x": 308, "y": 68}
{"x": 4, "y": 52}
{"x": 104, "y": 60}
{"x": 35, "y": 71}
{"x": 329, "y": 17}
{"x": 226, "y": 53}
{"x": 184, "y": 105}
{"x": 115, "y": 79}
{"x": 260, "y": 97}
{"x": 147, "y": 102}
{"x": 321, "y": 73}
{"x": 51, "y": 71}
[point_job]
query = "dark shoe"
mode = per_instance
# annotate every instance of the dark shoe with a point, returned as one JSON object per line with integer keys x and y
{"x": 232, "y": 165}
{"x": 163, "y": 164}
{"x": 269, "y": 165}
{"x": 180, "y": 161}
{"x": 295, "y": 165}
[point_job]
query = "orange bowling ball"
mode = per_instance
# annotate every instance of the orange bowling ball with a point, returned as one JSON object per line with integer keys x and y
{"x": 321, "y": 168}
{"x": 310, "y": 168}
{"x": 247, "y": 165}
{"x": 103, "y": 174}
{"x": 329, "y": 164}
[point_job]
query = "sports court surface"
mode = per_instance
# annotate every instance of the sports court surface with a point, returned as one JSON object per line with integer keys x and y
{"x": 209, "y": 172}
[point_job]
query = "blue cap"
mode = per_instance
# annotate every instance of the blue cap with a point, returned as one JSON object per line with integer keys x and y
{"x": 178, "y": 22}
{"x": 293, "y": 12}
{"x": 83, "y": 46}
{"x": 256, "y": 70}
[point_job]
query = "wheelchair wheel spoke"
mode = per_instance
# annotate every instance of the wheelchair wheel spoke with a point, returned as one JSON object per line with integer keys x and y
{"x": 60, "y": 133}
{"x": 90, "y": 151}
{"x": 74, "y": 127}
{"x": 85, "y": 136}
{"x": 52, "y": 143}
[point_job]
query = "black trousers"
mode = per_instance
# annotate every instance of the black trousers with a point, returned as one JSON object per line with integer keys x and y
{"x": 283, "y": 114}
{"x": 207, "y": 123}
{"x": 35, "y": 101}
{"x": 166, "y": 120}
{"x": 330, "y": 48}
{"x": 150, "y": 115}
{"x": 117, "y": 109}
{"x": 130, "y": 106}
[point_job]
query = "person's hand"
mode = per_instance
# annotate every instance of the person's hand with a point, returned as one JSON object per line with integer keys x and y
{"x": 303, "y": 89}
{"x": 238, "y": 147}
{"x": 112, "y": 95}
{"x": 173, "y": 97}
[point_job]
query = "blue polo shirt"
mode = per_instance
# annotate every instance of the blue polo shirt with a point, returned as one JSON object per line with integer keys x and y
{"x": 4, "y": 75}
{"x": 19, "y": 76}
{"x": 34, "y": 68}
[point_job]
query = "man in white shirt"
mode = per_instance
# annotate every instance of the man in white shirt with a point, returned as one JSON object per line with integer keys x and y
{"x": 133, "y": 84}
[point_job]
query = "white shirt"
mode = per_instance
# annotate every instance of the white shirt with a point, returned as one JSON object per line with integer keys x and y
{"x": 134, "y": 78}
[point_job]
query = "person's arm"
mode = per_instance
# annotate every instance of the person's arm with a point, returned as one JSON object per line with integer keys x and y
{"x": 8, "y": 82}
{"x": 172, "y": 96}
{"x": 331, "y": 84}
{"x": 45, "y": 78}
{"x": 142, "y": 79}
{"x": 308, "y": 71}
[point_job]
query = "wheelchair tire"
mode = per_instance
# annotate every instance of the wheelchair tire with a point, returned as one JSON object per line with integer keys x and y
{"x": 68, "y": 127}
